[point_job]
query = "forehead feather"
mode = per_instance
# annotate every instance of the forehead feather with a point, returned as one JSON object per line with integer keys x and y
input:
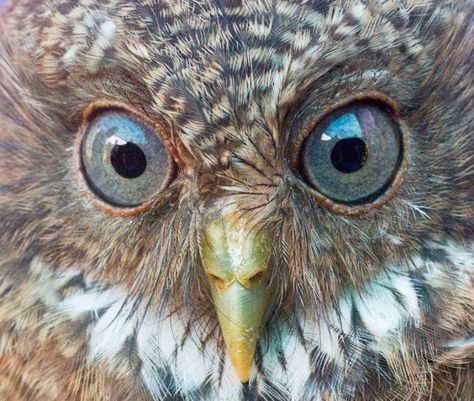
{"x": 212, "y": 68}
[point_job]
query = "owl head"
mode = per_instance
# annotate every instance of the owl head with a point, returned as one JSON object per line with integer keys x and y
{"x": 234, "y": 164}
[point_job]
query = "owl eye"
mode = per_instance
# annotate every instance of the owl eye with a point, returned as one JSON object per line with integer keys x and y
{"x": 123, "y": 159}
{"x": 353, "y": 154}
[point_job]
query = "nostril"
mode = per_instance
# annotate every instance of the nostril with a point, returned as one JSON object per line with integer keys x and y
{"x": 253, "y": 280}
{"x": 216, "y": 280}
{"x": 257, "y": 277}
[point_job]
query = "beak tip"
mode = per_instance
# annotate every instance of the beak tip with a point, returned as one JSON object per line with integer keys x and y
{"x": 241, "y": 354}
{"x": 243, "y": 374}
{"x": 242, "y": 361}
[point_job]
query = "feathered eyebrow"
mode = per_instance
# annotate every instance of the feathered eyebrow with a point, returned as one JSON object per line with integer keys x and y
{"x": 371, "y": 73}
{"x": 325, "y": 82}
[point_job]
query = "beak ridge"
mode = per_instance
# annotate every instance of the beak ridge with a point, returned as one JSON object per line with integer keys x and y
{"x": 236, "y": 258}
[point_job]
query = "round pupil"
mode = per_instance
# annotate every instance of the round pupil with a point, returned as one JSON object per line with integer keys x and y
{"x": 128, "y": 160}
{"x": 349, "y": 155}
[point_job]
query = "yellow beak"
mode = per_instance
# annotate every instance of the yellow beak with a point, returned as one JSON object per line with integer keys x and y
{"x": 235, "y": 259}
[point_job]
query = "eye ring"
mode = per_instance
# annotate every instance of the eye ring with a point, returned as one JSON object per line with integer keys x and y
{"x": 174, "y": 162}
{"x": 391, "y": 188}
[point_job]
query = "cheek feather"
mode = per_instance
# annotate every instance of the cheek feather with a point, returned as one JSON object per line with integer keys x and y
{"x": 383, "y": 307}
{"x": 112, "y": 330}
{"x": 363, "y": 328}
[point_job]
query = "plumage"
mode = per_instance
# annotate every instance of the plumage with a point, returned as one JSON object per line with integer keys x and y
{"x": 369, "y": 301}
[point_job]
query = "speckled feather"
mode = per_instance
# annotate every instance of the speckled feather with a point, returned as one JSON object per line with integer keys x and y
{"x": 377, "y": 306}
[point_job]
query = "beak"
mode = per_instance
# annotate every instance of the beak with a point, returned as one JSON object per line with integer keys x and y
{"x": 235, "y": 259}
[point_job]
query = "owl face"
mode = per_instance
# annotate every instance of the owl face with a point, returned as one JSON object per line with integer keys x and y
{"x": 249, "y": 192}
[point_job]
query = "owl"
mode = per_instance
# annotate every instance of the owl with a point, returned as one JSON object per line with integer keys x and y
{"x": 236, "y": 200}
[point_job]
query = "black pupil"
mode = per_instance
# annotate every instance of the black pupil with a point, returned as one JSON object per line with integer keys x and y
{"x": 349, "y": 155}
{"x": 128, "y": 160}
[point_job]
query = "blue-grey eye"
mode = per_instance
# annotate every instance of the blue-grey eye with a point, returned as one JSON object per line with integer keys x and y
{"x": 353, "y": 153}
{"x": 123, "y": 158}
